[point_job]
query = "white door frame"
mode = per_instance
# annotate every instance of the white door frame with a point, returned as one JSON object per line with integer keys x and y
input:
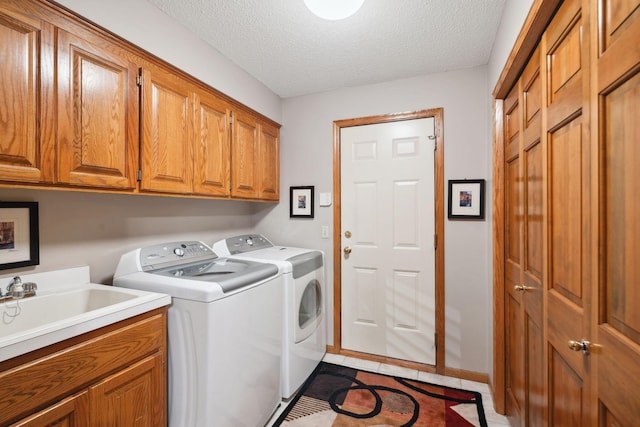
{"x": 437, "y": 114}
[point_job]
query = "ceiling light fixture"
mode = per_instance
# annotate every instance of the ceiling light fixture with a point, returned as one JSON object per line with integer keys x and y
{"x": 333, "y": 10}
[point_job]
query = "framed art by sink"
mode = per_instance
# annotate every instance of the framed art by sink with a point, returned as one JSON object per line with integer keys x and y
{"x": 19, "y": 235}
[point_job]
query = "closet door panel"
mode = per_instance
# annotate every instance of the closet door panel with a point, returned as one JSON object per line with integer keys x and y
{"x": 565, "y": 46}
{"x": 618, "y": 325}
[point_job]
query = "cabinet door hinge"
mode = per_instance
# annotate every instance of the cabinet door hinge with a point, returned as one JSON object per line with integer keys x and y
{"x": 139, "y": 78}
{"x": 139, "y": 174}
{"x": 231, "y": 119}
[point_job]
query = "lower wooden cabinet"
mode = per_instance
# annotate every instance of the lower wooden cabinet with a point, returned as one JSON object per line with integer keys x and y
{"x": 114, "y": 376}
{"x": 72, "y": 411}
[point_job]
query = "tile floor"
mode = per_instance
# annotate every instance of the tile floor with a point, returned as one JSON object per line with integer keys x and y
{"x": 493, "y": 419}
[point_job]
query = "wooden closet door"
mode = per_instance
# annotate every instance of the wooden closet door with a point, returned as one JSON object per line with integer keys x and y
{"x": 617, "y": 337}
{"x": 569, "y": 284}
{"x": 524, "y": 201}
{"x": 514, "y": 311}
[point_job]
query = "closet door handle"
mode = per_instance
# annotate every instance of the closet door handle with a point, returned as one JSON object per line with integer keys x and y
{"x": 522, "y": 288}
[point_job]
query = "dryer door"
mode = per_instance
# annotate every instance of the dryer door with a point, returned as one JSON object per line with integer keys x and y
{"x": 308, "y": 276}
{"x": 309, "y": 306}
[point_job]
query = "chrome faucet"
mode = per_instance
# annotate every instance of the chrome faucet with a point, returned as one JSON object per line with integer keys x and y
{"x": 16, "y": 289}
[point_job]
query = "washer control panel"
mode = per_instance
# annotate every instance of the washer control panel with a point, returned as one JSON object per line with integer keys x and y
{"x": 170, "y": 254}
{"x": 247, "y": 243}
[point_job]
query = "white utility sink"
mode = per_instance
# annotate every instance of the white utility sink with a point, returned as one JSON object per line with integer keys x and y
{"x": 66, "y": 305}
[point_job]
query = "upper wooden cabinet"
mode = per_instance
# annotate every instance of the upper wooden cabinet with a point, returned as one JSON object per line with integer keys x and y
{"x": 80, "y": 108}
{"x": 255, "y": 159}
{"x": 212, "y": 145}
{"x": 166, "y": 149}
{"x": 25, "y": 95}
{"x": 269, "y": 165}
{"x": 97, "y": 114}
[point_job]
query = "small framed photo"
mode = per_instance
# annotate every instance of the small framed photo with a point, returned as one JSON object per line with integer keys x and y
{"x": 466, "y": 199}
{"x": 19, "y": 240}
{"x": 301, "y": 202}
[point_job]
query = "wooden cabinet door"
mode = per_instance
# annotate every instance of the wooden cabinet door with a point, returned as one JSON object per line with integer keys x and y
{"x": 97, "y": 114}
{"x": 212, "y": 152}
{"x": 26, "y": 89}
{"x": 166, "y": 148}
{"x": 70, "y": 412}
{"x": 570, "y": 234}
{"x": 269, "y": 165}
{"x": 617, "y": 323}
{"x": 245, "y": 156}
{"x": 132, "y": 397}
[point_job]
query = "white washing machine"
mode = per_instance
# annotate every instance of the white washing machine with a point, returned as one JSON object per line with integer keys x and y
{"x": 224, "y": 331}
{"x": 304, "y": 332}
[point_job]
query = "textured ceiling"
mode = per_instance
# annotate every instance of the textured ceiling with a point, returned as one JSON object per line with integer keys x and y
{"x": 293, "y": 52}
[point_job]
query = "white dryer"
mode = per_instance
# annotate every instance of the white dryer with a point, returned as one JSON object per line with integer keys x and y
{"x": 304, "y": 334}
{"x": 224, "y": 331}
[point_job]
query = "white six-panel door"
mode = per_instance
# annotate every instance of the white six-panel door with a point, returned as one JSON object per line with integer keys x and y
{"x": 387, "y": 237}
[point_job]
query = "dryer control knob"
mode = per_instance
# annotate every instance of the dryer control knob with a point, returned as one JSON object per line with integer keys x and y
{"x": 179, "y": 252}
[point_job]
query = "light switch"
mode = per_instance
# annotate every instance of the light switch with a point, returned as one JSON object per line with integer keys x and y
{"x": 325, "y": 199}
{"x": 325, "y": 231}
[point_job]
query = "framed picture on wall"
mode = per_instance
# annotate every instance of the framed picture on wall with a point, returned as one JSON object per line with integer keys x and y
{"x": 466, "y": 199}
{"x": 19, "y": 240}
{"x": 301, "y": 202}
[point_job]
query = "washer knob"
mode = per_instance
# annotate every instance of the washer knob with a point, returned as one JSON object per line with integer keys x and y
{"x": 179, "y": 252}
{"x": 250, "y": 241}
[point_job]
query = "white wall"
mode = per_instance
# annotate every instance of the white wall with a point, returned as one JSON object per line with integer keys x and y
{"x": 513, "y": 17}
{"x": 96, "y": 229}
{"x": 307, "y": 150}
{"x": 146, "y": 26}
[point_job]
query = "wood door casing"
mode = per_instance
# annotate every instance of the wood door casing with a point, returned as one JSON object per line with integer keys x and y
{"x": 440, "y": 367}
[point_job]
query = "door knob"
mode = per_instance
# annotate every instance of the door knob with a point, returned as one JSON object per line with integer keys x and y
{"x": 347, "y": 250}
{"x": 582, "y": 345}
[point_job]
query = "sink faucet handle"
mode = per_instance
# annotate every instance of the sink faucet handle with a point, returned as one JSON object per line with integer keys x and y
{"x": 30, "y": 287}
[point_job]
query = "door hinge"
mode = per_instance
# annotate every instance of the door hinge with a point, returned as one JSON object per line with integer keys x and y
{"x": 435, "y": 340}
{"x": 435, "y": 241}
{"x": 139, "y": 174}
{"x": 139, "y": 78}
{"x": 231, "y": 119}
